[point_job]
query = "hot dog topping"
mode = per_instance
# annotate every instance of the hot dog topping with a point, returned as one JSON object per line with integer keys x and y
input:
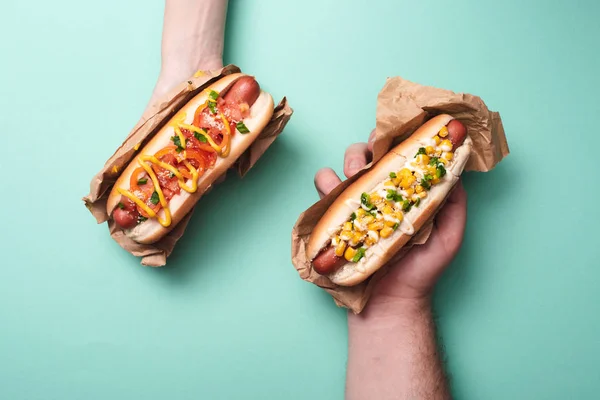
{"x": 381, "y": 212}
{"x": 194, "y": 149}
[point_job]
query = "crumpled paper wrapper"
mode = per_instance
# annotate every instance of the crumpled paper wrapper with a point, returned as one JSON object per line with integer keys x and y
{"x": 403, "y": 106}
{"x": 154, "y": 118}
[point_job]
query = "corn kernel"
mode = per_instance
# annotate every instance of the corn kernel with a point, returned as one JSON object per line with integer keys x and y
{"x": 390, "y": 223}
{"x": 347, "y": 226}
{"x": 419, "y": 189}
{"x": 397, "y": 180}
{"x": 422, "y": 195}
{"x": 443, "y": 161}
{"x": 422, "y": 159}
{"x": 409, "y": 192}
{"x": 436, "y": 139}
{"x": 404, "y": 172}
{"x": 435, "y": 180}
{"x": 446, "y": 142}
{"x": 349, "y": 254}
{"x": 399, "y": 216}
{"x": 375, "y": 226}
{"x": 430, "y": 169}
{"x": 361, "y": 213}
{"x": 357, "y": 237}
{"x": 369, "y": 241}
{"x": 389, "y": 183}
{"x": 387, "y": 209}
{"x": 376, "y": 198}
{"x": 429, "y": 150}
{"x": 448, "y": 155}
{"x": 345, "y": 235}
{"x": 340, "y": 248}
{"x": 367, "y": 220}
{"x": 386, "y": 232}
{"x": 443, "y": 132}
{"x": 408, "y": 181}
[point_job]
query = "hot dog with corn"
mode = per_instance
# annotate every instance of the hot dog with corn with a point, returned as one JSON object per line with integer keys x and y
{"x": 378, "y": 214}
{"x": 184, "y": 158}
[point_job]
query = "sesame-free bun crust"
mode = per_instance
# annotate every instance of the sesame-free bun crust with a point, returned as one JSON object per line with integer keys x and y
{"x": 151, "y": 230}
{"x": 376, "y": 256}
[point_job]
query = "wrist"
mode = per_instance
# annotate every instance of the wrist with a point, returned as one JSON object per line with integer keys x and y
{"x": 179, "y": 67}
{"x": 389, "y": 313}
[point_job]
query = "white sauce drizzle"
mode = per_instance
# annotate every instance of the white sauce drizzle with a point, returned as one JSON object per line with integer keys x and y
{"x": 406, "y": 227}
{"x": 390, "y": 218}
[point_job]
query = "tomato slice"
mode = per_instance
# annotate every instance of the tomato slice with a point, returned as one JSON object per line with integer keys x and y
{"x": 169, "y": 150}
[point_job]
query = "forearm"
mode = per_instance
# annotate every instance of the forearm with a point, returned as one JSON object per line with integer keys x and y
{"x": 394, "y": 355}
{"x": 193, "y": 36}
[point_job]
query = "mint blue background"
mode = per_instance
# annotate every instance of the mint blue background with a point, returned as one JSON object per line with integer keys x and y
{"x": 229, "y": 318}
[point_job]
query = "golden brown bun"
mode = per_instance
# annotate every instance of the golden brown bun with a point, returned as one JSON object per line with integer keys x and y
{"x": 151, "y": 230}
{"x": 351, "y": 274}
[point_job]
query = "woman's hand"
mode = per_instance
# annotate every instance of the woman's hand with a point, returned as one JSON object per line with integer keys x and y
{"x": 192, "y": 40}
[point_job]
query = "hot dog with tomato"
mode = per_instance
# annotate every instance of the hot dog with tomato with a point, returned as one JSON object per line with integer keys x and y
{"x": 196, "y": 146}
{"x": 377, "y": 215}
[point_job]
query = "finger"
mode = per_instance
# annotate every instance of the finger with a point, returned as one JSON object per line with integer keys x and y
{"x": 325, "y": 181}
{"x": 371, "y": 140}
{"x": 356, "y": 158}
{"x": 452, "y": 219}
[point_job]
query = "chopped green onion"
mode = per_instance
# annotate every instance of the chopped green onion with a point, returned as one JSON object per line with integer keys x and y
{"x": 352, "y": 216}
{"x": 393, "y": 175}
{"x": 396, "y": 225}
{"x": 441, "y": 171}
{"x": 177, "y": 143}
{"x": 154, "y": 199}
{"x": 121, "y": 205}
{"x": 212, "y": 106}
{"x": 242, "y": 128}
{"x": 417, "y": 202}
{"x": 141, "y": 218}
{"x": 406, "y": 205}
{"x": 421, "y": 151}
{"x": 360, "y": 253}
{"x": 434, "y": 160}
{"x": 365, "y": 200}
{"x": 142, "y": 181}
{"x": 426, "y": 181}
{"x": 393, "y": 195}
{"x": 213, "y": 95}
{"x": 201, "y": 138}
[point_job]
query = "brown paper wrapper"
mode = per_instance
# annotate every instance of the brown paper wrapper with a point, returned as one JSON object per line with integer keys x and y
{"x": 403, "y": 106}
{"x": 154, "y": 118}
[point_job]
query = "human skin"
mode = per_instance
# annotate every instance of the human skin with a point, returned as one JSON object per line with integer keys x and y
{"x": 192, "y": 40}
{"x": 392, "y": 347}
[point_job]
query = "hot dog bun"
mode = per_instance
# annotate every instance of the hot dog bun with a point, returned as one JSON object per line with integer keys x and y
{"x": 352, "y": 273}
{"x": 151, "y": 230}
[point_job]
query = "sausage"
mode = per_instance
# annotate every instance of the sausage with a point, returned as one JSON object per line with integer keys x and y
{"x": 244, "y": 90}
{"x": 126, "y": 219}
{"x": 457, "y": 132}
{"x": 327, "y": 262}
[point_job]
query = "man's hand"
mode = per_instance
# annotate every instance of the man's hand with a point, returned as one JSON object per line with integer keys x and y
{"x": 414, "y": 276}
{"x": 392, "y": 349}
